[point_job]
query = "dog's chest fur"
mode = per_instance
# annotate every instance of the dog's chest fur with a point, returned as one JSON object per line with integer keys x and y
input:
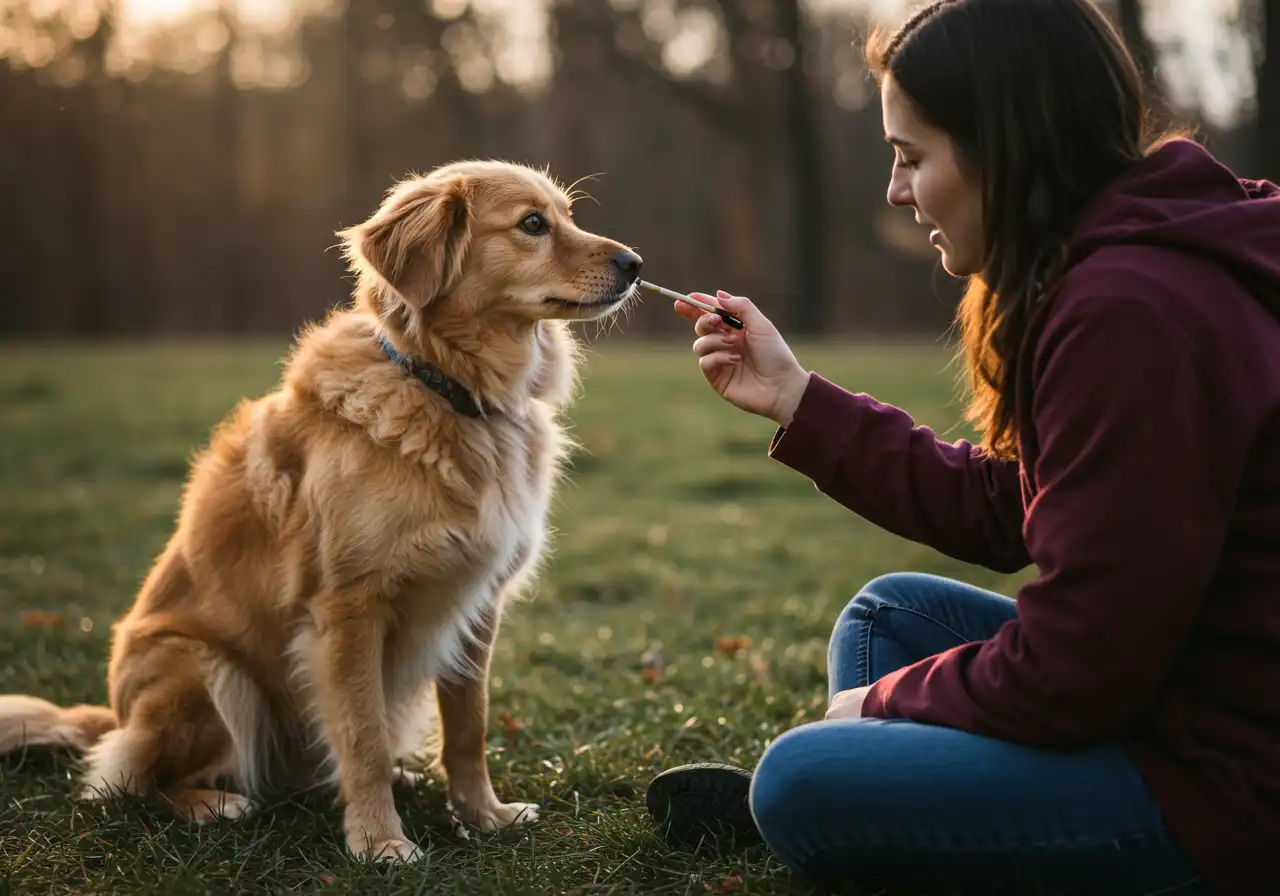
{"x": 433, "y": 516}
{"x": 467, "y": 526}
{"x": 480, "y": 503}
{"x": 467, "y": 567}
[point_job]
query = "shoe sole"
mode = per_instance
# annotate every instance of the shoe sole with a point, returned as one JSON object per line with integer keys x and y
{"x": 703, "y": 803}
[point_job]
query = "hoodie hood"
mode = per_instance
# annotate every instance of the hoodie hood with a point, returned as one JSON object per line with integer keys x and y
{"x": 1180, "y": 197}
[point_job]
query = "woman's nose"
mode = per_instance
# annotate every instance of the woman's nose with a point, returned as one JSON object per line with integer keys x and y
{"x": 899, "y": 192}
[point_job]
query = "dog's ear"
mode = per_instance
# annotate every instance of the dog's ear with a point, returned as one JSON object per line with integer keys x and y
{"x": 417, "y": 242}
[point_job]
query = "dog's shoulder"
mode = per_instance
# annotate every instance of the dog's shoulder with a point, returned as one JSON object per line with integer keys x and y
{"x": 339, "y": 367}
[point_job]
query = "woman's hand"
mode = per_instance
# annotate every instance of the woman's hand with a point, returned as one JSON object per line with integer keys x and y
{"x": 752, "y": 368}
{"x": 848, "y": 704}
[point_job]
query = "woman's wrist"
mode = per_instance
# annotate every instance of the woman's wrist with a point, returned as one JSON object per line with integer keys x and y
{"x": 790, "y": 394}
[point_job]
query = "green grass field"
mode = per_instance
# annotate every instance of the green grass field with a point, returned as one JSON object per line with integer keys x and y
{"x": 673, "y": 531}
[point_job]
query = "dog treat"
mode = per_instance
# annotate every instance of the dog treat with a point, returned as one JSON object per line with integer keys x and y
{"x": 689, "y": 300}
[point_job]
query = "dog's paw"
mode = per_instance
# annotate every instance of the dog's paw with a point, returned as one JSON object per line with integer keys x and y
{"x": 491, "y": 817}
{"x": 232, "y": 806}
{"x": 393, "y": 850}
{"x": 404, "y": 778}
{"x": 205, "y": 806}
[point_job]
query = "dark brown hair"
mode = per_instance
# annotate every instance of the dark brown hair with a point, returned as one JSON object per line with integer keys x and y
{"x": 1045, "y": 105}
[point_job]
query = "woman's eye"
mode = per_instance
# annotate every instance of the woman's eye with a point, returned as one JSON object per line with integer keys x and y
{"x": 907, "y": 163}
{"x": 535, "y": 224}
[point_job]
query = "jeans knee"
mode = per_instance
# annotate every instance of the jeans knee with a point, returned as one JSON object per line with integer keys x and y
{"x": 861, "y": 608}
{"x": 777, "y": 786}
{"x": 847, "y": 647}
{"x": 886, "y": 590}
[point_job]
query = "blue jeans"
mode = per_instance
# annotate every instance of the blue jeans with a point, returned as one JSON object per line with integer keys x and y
{"x": 890, "y": 803}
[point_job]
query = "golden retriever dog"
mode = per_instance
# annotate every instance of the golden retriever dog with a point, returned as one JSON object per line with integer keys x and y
{"x": 346, "y": 543}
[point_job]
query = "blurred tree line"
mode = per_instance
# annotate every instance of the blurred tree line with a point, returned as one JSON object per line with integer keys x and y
{"x": 188, "y": 177}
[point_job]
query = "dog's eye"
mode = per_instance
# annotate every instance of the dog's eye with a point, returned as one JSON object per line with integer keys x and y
{"x": 535, "y": 224}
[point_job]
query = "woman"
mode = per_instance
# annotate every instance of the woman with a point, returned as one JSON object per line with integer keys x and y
{"x": 1117, "y": 729}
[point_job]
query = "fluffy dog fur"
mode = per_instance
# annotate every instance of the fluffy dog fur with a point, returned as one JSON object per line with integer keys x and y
{"x": 347, "y": 542}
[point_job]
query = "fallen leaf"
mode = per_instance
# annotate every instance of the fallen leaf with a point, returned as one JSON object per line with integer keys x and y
{"x": 731, "y": 884}
{"x": 732, "y": 644}
{"x": 41, "y": 619}
{"x": 512, "y": 727}
{"x": 651, "y": 665}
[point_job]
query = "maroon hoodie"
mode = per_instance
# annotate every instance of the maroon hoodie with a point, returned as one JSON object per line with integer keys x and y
{"x": 1147, "y": 495}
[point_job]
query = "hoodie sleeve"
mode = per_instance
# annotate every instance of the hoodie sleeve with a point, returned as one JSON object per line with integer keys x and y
{"x": 1141, "y": 454}
{"x": 873, "y": 458}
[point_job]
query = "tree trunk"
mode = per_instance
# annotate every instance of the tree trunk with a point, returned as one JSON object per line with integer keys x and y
{"x": 96, "y": 306}
{"x": 233, "y": 288}
{"x": 354, "y": 42}
{"x": 1268, "y": 125}
{"x": 803, "y": 150}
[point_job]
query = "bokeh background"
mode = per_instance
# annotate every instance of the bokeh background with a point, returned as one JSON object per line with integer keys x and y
{"x": 180, "y": 166}
{"x": 171, "y": 176}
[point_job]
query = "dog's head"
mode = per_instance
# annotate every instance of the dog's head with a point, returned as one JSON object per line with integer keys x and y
{"x": 489, "y": 237}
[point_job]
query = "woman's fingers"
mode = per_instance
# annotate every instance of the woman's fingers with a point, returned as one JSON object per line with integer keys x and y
{"x": 687, "y": 311}
{"x": 709, "y": 323}
{"x": 704, "y": 322}
{"x": 716, "y": 361}
{"x": 715, "y": 342}
{"x": 694, "y": 313}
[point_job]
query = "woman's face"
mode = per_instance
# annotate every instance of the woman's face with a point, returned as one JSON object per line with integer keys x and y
{"x": 928, "y": 176}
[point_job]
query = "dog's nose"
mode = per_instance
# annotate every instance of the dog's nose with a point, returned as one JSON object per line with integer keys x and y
{"x": 629, "y": 263}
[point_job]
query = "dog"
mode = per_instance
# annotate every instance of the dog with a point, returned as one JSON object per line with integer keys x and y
{"x": 346, "y": 543}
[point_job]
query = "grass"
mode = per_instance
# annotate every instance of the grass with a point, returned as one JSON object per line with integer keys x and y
{"x": 675, "y": 530}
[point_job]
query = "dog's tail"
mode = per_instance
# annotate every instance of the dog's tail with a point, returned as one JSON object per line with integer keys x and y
{"x": 32, "y": 722}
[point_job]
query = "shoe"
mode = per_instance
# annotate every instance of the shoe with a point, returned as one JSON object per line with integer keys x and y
{"x": 703, "y": 803}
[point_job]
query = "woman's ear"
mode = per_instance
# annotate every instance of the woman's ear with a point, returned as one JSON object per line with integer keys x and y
{"x": 417, "y": 241}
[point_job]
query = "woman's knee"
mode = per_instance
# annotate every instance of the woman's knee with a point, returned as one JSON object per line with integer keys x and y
{"x": 807, "y": 766}
{"x": 899, "y": 618}
{"x": 811, "y": 786}
{"x": 892, "y": 589}
{"x": 780, "y": 789}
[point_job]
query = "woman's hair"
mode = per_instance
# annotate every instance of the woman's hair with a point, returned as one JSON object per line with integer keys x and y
{"x": 1044, "y": 105}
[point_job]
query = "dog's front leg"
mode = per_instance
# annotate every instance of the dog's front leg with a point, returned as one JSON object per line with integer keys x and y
{"x": 347, "y": 662}
{"x": 464, "y": 711}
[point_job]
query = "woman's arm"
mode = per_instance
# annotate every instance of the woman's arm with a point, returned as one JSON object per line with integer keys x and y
{"x": 874, "y": 459}
{"x": 868, "y": 456}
